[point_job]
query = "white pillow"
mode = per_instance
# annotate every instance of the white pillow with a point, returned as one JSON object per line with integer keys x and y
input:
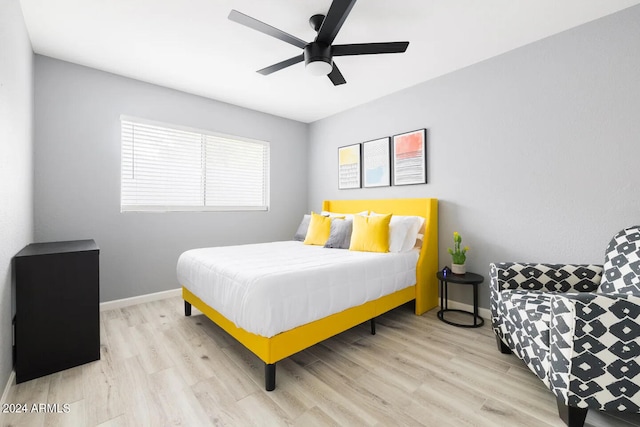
{"x": 343, "y": 215}
{"x": 416, "y": 226}
{"x": 403, "y": 232}
{"x": 398, "y": 229}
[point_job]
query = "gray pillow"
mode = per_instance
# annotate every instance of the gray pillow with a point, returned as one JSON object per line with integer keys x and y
{"x": 302, "y": 229}
{"x": 340, "y": 237}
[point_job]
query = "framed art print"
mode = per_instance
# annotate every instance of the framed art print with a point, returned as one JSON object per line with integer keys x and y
{"x": 376, "y": 170}
{"x": 410, "y": 158}
{"x": 349, "y": 167}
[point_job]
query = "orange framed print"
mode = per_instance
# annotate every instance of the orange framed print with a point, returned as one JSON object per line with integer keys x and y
{"x": 410, "y": 158}
{"x": 349, "y": 165}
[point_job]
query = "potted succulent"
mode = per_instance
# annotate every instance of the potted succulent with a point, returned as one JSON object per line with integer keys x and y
{"x": 458, "y": 255}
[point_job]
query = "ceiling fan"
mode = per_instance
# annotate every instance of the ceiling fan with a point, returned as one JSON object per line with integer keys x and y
{"x": 318, "y": 55}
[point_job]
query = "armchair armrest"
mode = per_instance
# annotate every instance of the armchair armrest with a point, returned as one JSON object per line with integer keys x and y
{"x": 595, "y": 351}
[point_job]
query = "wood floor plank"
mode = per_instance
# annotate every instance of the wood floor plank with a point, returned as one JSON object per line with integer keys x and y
{"x": 522, "y": 373}
{"x": 220, "y": 406}
{"x": 136, "y": 389}
{"x": 120, "y": 421}
{"x": 398, "y": 377}
{"x": 66, "y": 386}
{"x": 533, "y": 401}
{"x": 315, "y": 417}
{"x": 134, "y": 316}
{"x": 229, "y": 379}
{"x": 246, "y": 362}
{"x": 160, "y": 368}
{"x": 261, "y": 410}
{"x": 26, "y": 395}
{"x": 304, "y": 358}
{"x": 369, "y": 397}
{"x": 328, "y": 395}
{"x": 190, "y": 360}
{"x": 100, "y": 389}
{"x": 177, "y": 401}
{"x": 74, "y": 415}
{"x": 151, "y": 348}
{"x": 502, "y": 413}
{"x": 346, "y": 366}
{"x": 446, "y": 404}
{"x": 119, "y": 339}
{"x": 162, "y": 313}
{"x": 287, "y": 401}
{"x": 114, "y": 313}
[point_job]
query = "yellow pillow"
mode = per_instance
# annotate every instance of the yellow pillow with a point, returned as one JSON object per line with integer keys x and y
{"x": 319, "y": 230}
{"x": 370, "y": 233}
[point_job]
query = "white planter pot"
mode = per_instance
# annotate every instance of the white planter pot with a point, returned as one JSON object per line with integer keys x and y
{"x": 458, "y": 268}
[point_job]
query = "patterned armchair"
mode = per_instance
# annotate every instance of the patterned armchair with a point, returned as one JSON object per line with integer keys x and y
{"x": 577, "y": 327}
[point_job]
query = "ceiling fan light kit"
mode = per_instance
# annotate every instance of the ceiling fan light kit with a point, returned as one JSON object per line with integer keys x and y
{"x": 319, "y": 68}
{"x": 318, "y": 55}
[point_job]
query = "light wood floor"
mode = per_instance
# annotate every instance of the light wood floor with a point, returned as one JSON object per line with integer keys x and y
{"x": 159, "y": 368}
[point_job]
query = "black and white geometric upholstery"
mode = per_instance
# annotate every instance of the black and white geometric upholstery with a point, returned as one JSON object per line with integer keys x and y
{"x": 622, "y": 264}
{"x": 577, "y": 327}
{"x": 595, "y": 361}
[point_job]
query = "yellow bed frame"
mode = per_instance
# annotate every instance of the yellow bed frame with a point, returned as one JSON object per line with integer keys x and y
{"x": 425, "y": 291}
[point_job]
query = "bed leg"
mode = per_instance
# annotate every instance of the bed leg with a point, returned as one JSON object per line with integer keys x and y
{"x": 187, "y": 309}
{"x": 373, "y": 326}
{"x": 270, "y": 376}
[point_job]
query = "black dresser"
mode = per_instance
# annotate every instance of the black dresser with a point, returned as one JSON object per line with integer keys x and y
{"x": 57, "y": 316}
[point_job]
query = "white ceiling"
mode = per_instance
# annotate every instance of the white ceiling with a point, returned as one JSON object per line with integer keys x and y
{"x": 190, "y": 45}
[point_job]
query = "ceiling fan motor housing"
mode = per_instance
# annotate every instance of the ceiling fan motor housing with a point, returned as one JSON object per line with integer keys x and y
{"x": 318, "y": 52}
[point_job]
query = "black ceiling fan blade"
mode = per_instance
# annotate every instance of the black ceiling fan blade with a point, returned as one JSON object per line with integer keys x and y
{"x": 280, "y": 65}
{"x": 332, "y": 23}
{"x": 369, "y": 48}
{"x": 336, "y": 76}
{"x": 267, "y": 29}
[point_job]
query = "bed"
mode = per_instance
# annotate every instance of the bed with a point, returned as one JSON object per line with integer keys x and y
{"x": 275, "y": 338}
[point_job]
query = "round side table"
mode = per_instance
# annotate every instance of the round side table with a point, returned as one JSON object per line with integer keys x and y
{"x": 459, "y": 279}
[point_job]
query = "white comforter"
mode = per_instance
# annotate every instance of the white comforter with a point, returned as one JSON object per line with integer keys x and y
{"x": 269, "y": 288}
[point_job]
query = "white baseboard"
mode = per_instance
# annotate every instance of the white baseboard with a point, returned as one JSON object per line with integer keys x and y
{"x": 127, "y": 302}
{"x": 485, "y": 313}
{"x": 7, "y": 387}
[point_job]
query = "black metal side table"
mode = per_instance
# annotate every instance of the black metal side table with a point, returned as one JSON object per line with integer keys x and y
{"x": 459, "y": 279}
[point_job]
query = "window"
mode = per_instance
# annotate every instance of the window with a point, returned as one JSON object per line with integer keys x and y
{"x": 170, "y": 168}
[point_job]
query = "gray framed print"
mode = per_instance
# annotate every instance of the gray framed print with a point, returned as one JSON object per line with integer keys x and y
{"x": 376, "y": 161}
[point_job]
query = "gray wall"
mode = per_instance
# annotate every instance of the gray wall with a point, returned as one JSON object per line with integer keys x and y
{"x": 77, "y": 175}
{"x": 534, "y": 154}
{"x": 16, "y": 160}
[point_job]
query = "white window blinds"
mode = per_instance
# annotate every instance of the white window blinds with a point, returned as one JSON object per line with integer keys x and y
{"x": 168, "y": 168}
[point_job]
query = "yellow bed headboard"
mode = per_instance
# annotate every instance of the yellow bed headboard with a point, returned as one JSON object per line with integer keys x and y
{"x": 426, "y": 282}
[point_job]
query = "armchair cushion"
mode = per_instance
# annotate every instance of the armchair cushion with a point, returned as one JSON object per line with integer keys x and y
{"x": 538, "y": 277}
{"x": 622, "y": 264}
